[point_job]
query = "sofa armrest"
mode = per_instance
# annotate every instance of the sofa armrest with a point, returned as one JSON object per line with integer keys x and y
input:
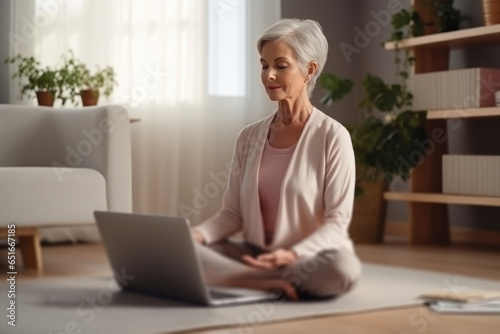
{"x": 90, "y": 137}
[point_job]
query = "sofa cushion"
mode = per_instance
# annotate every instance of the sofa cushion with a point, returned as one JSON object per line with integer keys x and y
{"x": 70, "y": 195}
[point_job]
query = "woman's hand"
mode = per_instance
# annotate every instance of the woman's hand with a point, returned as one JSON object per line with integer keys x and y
{"x": 278, "y": 258}
{"x": 198, "y": 237}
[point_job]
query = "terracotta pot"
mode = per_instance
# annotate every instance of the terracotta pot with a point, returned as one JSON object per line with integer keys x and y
{"x": 368, "y": 220}
{"x": 89, "y": 97}
{"x": 428, "y": 15}
{"x": 491, "y": 12}
{"x": 45, "y": 98}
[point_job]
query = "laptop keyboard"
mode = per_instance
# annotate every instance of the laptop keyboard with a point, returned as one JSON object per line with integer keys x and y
{"x": 221, "y": 295}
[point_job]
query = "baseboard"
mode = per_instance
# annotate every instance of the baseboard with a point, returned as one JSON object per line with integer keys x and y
{"x": 401, "y": 229}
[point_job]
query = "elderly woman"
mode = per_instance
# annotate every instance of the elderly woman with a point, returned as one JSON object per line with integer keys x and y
{"x": 291, "y": 186}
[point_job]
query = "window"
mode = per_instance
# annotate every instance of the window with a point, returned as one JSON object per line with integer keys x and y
{"x": 227, "y": 47}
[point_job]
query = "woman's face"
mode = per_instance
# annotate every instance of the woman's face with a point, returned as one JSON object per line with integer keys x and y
{"x": 281, "y": 76}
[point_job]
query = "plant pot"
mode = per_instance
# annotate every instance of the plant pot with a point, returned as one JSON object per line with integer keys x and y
{"x": 491, "y": 12}
{"x": 89, "y": 97}
{"x": 368, "y": 220}
{"x": 45, "y": 98}
{"x": 428, "y": 16}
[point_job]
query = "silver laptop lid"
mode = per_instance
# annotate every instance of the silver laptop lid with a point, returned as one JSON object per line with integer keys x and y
{"x": 157, "y": 251}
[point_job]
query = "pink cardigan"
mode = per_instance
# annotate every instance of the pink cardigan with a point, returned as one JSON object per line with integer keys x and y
{"x": 317, "y": 192}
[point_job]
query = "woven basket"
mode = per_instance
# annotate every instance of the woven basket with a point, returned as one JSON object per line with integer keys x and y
{"x": 491, "y": 12}
{"x": 368, "y": 220}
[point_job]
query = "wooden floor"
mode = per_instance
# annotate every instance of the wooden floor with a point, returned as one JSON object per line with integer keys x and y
{"x": 90, "y": 260}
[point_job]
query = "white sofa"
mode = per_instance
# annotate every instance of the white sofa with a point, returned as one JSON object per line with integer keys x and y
{"x": 59, "y": 165}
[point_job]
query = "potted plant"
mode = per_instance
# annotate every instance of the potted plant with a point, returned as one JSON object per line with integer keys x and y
{"x": 81, "y": 82}
{"x": 424, "y": 18}
{"x": 33, "y": 78}
{"x": 70, "y": 73}
{"x": 102, "y": 81}
{"x": 67, "y": 82}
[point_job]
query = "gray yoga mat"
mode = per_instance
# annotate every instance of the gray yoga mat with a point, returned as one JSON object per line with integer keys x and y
{"x": 93, "y": 305}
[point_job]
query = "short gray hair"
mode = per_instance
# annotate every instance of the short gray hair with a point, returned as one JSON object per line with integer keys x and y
{"x": 305, "y": 38}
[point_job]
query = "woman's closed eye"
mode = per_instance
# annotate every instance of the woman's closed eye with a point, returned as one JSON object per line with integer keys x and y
{"x": 282, "y": 66}
{"x": 278, "y": 66}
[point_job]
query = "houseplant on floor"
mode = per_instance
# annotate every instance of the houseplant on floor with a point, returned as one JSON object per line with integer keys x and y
{"x": 44, "y": 82}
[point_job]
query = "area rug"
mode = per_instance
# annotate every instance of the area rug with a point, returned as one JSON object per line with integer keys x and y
{"x": 93, "y": 305}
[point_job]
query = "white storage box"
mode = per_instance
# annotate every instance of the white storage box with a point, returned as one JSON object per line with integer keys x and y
{"x": 471, "y": 175}
{"x": 455, "y": 89}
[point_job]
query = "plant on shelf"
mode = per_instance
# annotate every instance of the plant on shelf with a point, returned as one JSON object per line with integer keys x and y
{"x": 423, "y": 18}
{"x": 70, "y": 73}
{"x": 102, "y": 81}
{"x": 435, "y": 16}
{"x": 81, "y": 82}
{"x": 449, "y": 18}
{"x": 35, "y": 79}
{"x": 66, "y": 82}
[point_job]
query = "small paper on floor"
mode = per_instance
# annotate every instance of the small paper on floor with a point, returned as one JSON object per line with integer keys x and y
{"x": 465, "y": 302}
{"x": 462, "y": 296}
{"x": 485, "y": 307}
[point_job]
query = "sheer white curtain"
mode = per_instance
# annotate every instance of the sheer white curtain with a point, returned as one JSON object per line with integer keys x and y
{"x": 160, "y": 51}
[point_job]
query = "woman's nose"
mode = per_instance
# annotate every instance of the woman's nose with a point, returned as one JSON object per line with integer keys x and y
{"x": 270, "y": 74}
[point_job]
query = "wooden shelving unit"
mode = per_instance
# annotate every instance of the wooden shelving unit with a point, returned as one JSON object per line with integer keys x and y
{"x": 464, "y": 113}
{"x": 442, "y": 198}
{"x": 480, "y": 36}
{"x": 428, "y": 214}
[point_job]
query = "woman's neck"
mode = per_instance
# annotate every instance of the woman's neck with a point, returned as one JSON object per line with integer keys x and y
{"x": 293, "y": 112}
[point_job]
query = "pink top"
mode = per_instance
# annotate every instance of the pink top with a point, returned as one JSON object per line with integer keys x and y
{"x": 317, "y": 191}
{"x": 272, "y": 169}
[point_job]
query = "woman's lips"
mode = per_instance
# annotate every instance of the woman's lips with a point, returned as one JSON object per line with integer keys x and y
{"x": 273, "y": 87}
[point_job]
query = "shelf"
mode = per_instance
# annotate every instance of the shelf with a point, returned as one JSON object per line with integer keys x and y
{"x": 486, "y": 35}
{"x": 442, "y": 198}
{"x": 463, "y": 113}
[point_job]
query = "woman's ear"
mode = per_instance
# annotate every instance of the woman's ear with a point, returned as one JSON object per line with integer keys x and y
{"x": 311, "y": 70}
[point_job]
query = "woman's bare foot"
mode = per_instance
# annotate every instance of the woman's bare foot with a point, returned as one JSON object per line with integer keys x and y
{"x": 268, "y": 284}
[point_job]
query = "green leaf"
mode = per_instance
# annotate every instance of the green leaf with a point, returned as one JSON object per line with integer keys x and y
{"x": 401, "y": 19}
{"x": 337, "y": 88}
{"x": 418, "y": 25}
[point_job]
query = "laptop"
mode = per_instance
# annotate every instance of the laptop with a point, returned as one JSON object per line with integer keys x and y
{"x": 157, "y": 255}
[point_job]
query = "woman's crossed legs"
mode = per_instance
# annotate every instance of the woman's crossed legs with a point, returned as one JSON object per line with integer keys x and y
{"x": 329, "y": 273}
